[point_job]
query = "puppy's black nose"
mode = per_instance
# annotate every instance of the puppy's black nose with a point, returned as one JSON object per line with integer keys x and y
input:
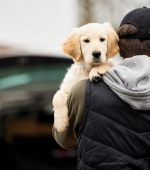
{"x": 96, "y": 54}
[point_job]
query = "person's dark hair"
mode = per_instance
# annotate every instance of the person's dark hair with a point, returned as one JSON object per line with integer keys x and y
{"x": 132, "y": 47}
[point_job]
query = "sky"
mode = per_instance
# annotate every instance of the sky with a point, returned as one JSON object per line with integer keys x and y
{"x": 38, "y": 26}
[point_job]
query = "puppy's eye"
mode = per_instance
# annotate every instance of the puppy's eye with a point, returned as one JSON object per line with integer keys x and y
{"x": 86, "y": 40}
{"x": 102, "y": 39}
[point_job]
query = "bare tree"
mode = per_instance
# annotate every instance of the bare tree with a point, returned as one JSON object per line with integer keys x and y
{"x": 106, "y": 10}
{"x": 86, "y": 11}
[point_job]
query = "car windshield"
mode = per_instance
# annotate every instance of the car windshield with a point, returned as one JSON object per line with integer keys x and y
{"x": 27, "y": 78}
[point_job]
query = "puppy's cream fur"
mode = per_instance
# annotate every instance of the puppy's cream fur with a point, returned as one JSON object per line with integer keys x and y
{"x": 80, "y": 45}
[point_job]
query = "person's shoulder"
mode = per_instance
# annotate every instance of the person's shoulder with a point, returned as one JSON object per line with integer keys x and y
{"x": 79, "y": 85}
{"x": 78, "y": 92}
{"x": 79, "y": 88}
{"x": 76, "y": 105}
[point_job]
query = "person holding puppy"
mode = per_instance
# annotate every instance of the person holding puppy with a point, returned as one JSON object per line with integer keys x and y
{"x": 110, "y": 118}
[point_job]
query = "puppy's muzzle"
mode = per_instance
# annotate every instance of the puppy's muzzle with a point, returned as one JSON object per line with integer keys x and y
{"x": 96, "y": 56}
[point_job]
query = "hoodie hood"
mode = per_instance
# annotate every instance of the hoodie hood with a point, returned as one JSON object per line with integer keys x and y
{"x": 130, "y": 80}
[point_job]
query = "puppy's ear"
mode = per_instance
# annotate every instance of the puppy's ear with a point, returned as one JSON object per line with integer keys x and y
{"x": 71, "y": 46}
{"x": 112, "y": 46}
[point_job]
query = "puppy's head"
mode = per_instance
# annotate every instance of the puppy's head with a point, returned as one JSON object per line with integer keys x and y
{"x": 93, "y": 43}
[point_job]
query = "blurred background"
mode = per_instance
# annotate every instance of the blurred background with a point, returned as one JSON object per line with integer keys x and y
{"x": 32, "y": 66}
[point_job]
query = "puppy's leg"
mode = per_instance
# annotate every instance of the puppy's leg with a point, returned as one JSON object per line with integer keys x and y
{"x": 60, "y": 111}
{"x": 97, "y": 71}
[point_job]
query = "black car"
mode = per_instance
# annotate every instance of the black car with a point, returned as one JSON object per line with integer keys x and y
{"x": 27, "y": 85}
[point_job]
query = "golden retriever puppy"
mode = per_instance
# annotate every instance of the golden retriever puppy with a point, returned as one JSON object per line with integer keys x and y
{"x": 90, "y": 46}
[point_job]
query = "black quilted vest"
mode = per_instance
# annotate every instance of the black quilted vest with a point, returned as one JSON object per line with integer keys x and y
{"x": 113, "y": 136}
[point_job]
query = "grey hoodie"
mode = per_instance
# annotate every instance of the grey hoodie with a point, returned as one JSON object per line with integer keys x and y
{"x": 130, "y": 80}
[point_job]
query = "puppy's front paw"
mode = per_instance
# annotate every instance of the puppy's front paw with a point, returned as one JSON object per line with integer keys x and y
{"x": 102, "y": 69}
{"x": 94, "y": 74}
